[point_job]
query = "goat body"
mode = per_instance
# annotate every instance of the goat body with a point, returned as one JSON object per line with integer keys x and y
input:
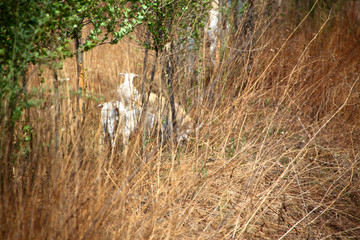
{"x": 184, "y": 122}
{"x": 115, "y": 117}
{"x": 110, "y": 113}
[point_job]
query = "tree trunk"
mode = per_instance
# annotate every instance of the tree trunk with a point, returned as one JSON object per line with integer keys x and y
{"x": 81, "y": 89}
{"x": 144, "y": 71}
{"x": 169, "y": 75}
{"x": 144, "y": 105}
{"x": 80, "y": 84}
{"x": 56, "y": 164}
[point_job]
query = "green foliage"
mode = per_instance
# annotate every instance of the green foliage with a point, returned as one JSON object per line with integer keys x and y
{"x": 27, "y": 36}
{"x": 168, "y": 20}
{"x": 110, "y": 21}
{"x": 39, "y": 32}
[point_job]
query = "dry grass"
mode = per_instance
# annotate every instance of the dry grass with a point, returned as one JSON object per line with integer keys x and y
{"x": 278, "y": 156}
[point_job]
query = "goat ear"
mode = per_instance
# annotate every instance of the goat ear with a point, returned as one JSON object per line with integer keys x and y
{"x": 100, "y": 105}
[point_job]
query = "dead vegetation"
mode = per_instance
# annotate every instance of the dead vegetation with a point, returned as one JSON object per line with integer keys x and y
{"x": 277, "y": 157}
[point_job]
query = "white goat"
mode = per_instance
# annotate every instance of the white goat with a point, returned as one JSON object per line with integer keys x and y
{"x": 110, "y": 114}
{"x": 131, "y": 123}
{"x": 123, "y": 116}
{"x": 184, "y": 122}
{"x": 127, "y": 93}
{"x": 116, "y": 118}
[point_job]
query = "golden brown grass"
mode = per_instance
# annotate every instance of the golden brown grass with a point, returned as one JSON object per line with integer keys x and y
{"x": 278, "y": 156}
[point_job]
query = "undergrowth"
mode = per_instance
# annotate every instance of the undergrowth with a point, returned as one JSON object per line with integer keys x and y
{"x": 277, "y": 156}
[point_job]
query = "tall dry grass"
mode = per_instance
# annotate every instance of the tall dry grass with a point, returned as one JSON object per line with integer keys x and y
{"x": 277, "y": 157}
